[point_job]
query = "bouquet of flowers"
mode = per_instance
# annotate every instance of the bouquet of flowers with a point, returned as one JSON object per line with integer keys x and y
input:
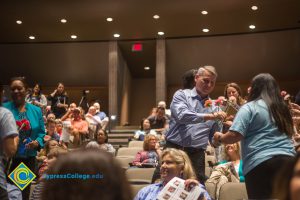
{"x": 23, "y": 125}
{"x": 23, "y": 128}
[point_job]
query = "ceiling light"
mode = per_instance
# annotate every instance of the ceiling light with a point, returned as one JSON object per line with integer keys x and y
{"x": 19, "y": 22}
{"x": 252, "y": 26}
{"x": 160, "y": 33}
{"x": 74, "y": 36}
{"x": 156, "y": 16}
{"x": 254, "y": 7}
{"x": 31, "y": 37}
{"x": 205, "y": 30}
{"x": 116, "y": 35}
{"x": 63, "y": 21}
{"x": 147, "y": 68}
{"x": 109, "y": 19}
{"x": 204, "y": 12}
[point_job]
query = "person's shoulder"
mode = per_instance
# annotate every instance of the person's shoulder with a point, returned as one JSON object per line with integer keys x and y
{"x": 151, "y": 187}
{"x": 33, "y": 107}
{"x": 4, "y": 110}
{"x": 8, "y": 105}
{"x": 184, "y": 92}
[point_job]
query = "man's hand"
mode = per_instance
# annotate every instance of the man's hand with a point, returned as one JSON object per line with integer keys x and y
{"x": 220, "y": 115}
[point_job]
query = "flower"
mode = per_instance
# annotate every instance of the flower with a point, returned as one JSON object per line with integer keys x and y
{"x": 23, "y": 125}
{"x": 283, "y": 93}
{"x": 219, "y": 102}
{"x": 208, "y": 103}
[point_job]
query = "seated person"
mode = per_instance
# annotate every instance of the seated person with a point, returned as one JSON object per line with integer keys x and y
{"x": 51, "y": 158}
{"x": 106, "y": 180}
{"x": 79, "y": 127}
{"x": 159, "y": 121}
{"x": 102, "y": 142}
{"x": 104, "y": 119}
{"x": 229, "y": 170}
{"x": 174, "y": 163}
{"x": 51, "y": 131}
{"x": 42, "y": 154}
{"x": 150, "y": 155}
{"x": 94, "y": 122}
{"x": 145, "y": 129}
{"x": 58, "y": 126}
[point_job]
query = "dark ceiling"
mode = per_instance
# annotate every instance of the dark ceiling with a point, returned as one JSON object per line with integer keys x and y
{"x": 133, "y": 20}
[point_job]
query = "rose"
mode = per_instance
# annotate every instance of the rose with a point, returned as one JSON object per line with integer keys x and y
{"x": 219, "y": 102}
{"x": 283, "y": 93}
{"x": 208, "y": 103}
{"x": 23, "y": 125}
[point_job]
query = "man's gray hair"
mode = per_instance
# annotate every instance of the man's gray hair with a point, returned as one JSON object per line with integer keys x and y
{"x": 208, "y": 68}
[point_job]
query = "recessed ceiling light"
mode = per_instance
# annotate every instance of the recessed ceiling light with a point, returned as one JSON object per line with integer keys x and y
{"x": 146, "y": 68}
{"x": 63, "y": 21}
{"x": 109, "y": 19}
{"x": 116, "y": 35}
{"x": 254, "y": 7}
{"x": 19, "y": 22}
{"x": 204, "y": 12}
{"x": 74, "y": 36}
{"x": 31, "y": 37}
{"x": 205, "y": 30}
{"x": 156, "y": 16}
{"x": 160, "y": 33}
{"x": 252, "y": 26}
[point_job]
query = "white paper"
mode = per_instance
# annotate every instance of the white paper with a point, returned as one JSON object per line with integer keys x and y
{"x": 65, "y": 136}
{"x": 175, "y": 190}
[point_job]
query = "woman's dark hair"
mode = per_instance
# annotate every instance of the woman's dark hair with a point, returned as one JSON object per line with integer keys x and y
{"x": 19, "y": 78}
{"x": 142, "y": 123}
{"x": 64, "y": 91}
{"x": 109, "y": 182}
{"x": 265, "y": 87}
{"x": 240, "y": 100}
{"x": 282, "y": 181}
{"x": 40, "y": 88}
{"x": 105, "y": 134}
{"x": 188, "y": 79}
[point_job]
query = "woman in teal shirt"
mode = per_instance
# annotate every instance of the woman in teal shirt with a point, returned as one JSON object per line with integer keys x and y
{"x": 265, "y": 127}
{"x": 30, "y": 124}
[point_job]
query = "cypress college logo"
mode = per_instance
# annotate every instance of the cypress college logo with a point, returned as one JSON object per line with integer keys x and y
{"x": 22, "y": 176}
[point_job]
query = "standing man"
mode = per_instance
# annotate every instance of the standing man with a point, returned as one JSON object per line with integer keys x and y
{"x": 192, "y": 124}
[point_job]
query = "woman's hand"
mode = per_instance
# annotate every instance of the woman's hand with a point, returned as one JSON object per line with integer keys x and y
{"x": 32, "y": 145}
{"x": 227, "y": 123}
{"x": 216, "y": 139}
{"x": 190, "y": 183}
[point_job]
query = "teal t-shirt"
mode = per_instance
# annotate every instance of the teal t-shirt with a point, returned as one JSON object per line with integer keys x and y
{"x": 261, "y": 138}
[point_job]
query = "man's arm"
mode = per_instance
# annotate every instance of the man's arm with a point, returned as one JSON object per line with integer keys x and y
{"x": 184, "y": 114}
{"x": 10, "y": 145}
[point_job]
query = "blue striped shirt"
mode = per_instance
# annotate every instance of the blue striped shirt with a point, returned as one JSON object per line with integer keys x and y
{"x": 187, "y": 125}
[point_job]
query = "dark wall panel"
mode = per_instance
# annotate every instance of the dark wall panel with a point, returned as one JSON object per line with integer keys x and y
{"x": 76, "y": 64}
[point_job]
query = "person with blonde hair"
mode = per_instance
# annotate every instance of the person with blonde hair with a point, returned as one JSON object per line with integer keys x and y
{"x": 174, "y": 163}
{"x": 149, "y": 156}
{"x": 229, "y": 169}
